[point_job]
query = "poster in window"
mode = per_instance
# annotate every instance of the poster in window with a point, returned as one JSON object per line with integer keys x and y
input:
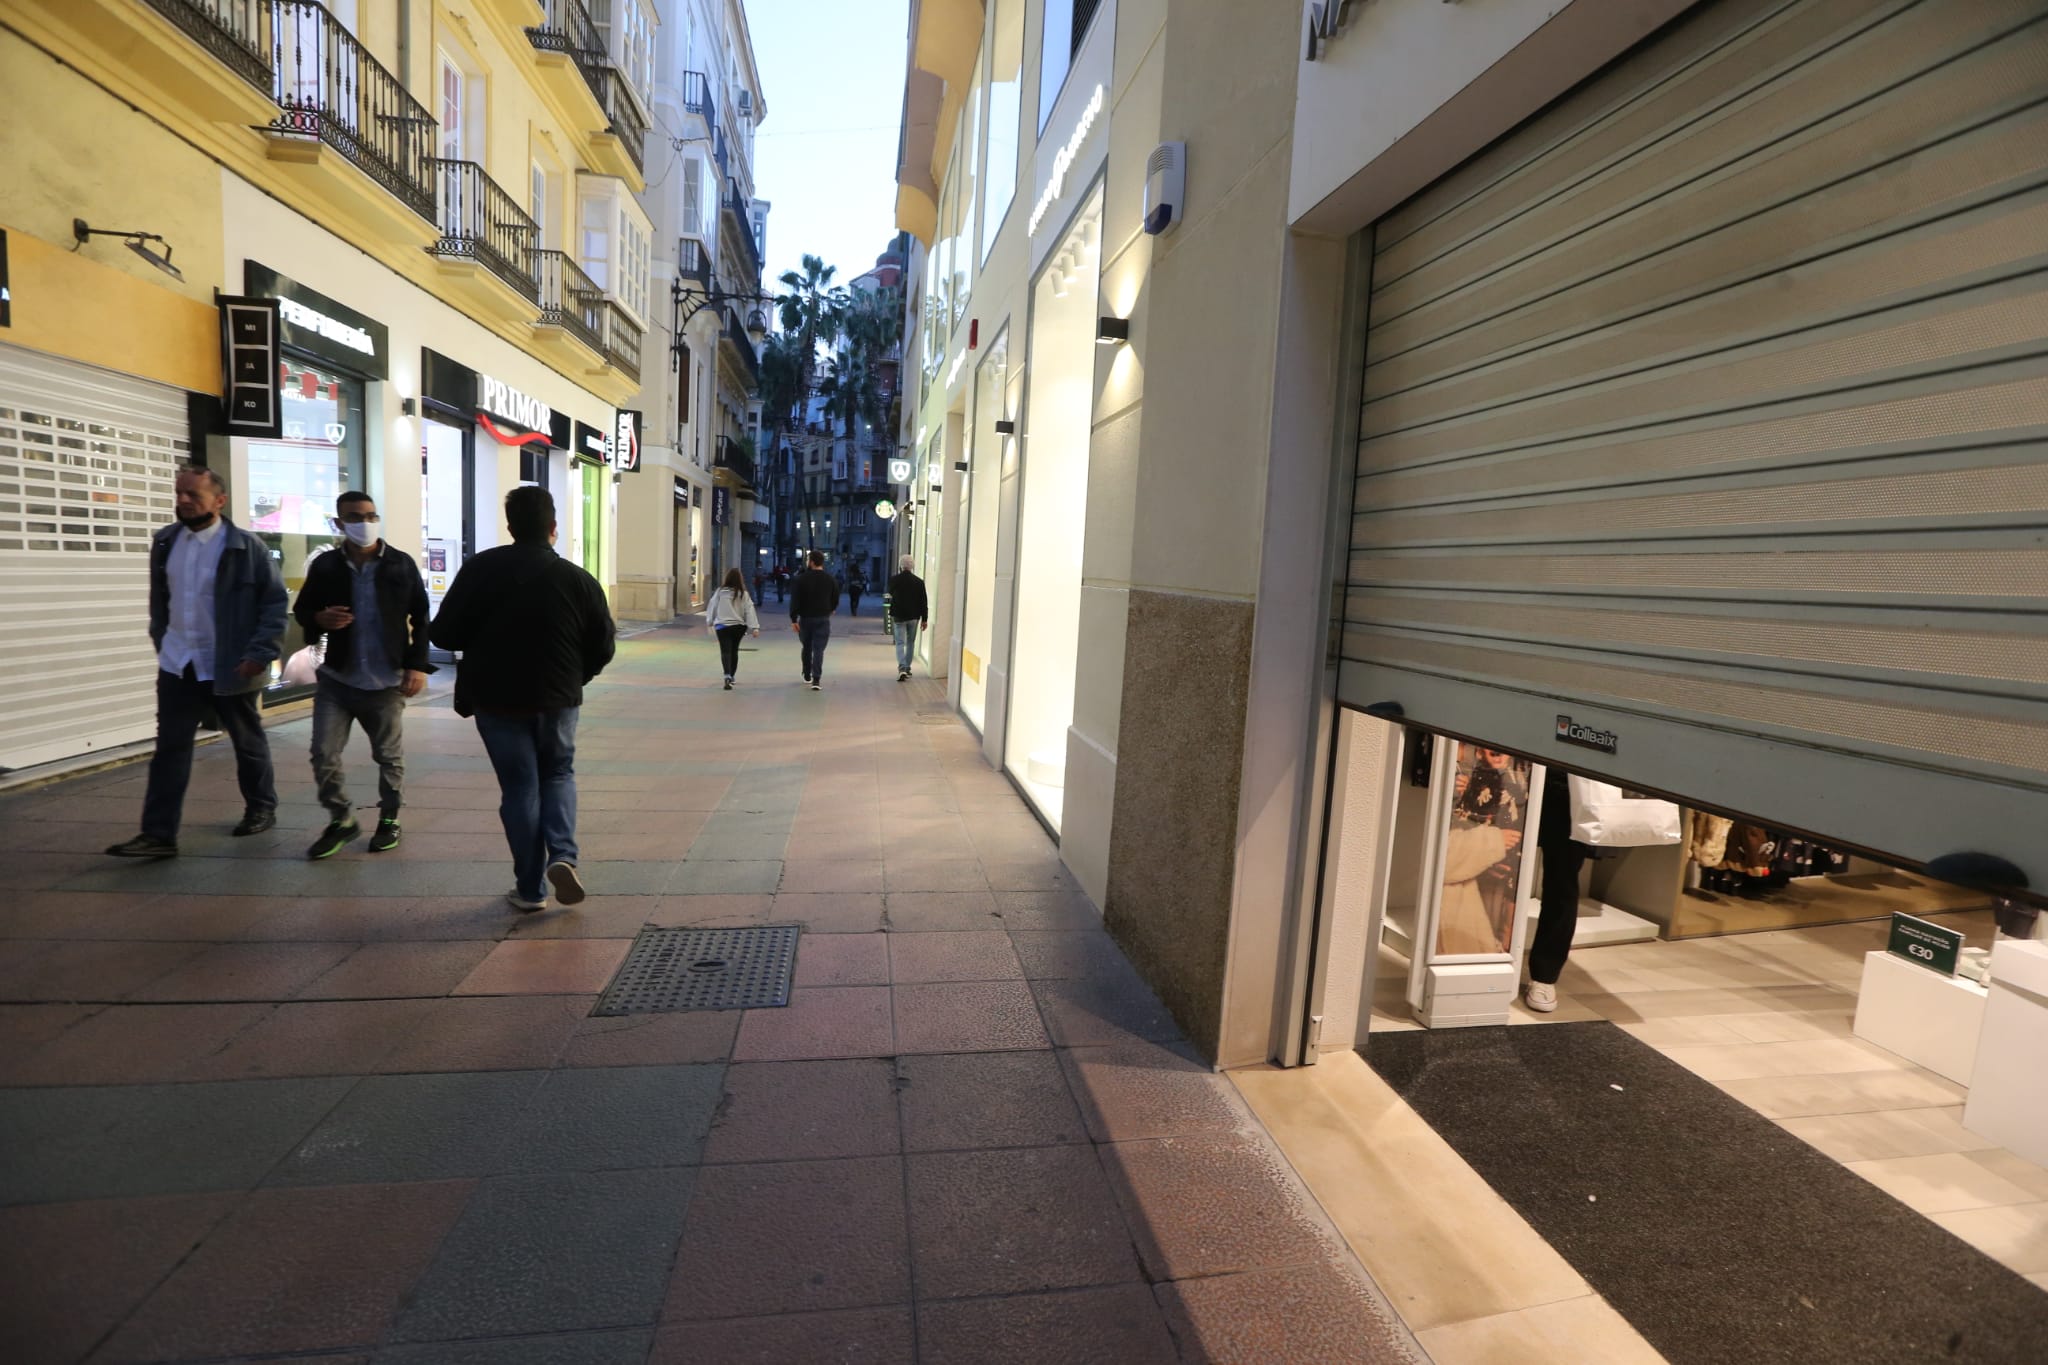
{"x": 1483, "y": 852}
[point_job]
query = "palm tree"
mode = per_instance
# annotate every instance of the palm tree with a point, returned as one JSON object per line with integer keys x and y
{"x": 781, "y": 394}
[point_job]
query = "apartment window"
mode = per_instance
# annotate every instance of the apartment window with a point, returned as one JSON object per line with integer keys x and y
{"x": 1066, "y": 25}
{"x": 632, "y": 242}
{"x": 693, "y": 197}
{"x": 454, "y": 106}
{"x": 1005, "y": 48}
{"x": 636, "y": 46}
{"x": 613, "y": 241}
{"x": 595, "y": 241}
{"x": 685, "y": 375}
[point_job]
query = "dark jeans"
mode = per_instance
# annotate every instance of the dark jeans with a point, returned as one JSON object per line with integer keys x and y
{"x": 729, "y": 638}
{"x": 1558, "y": 920}
{"x": 181, "y": 703}
{"x": 535, "y": 759}
{"x": 382, "y": 715}
{"x": 813, "y": 633}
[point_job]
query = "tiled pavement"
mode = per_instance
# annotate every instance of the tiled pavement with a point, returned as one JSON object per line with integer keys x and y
{"x": 254, "y": 1108}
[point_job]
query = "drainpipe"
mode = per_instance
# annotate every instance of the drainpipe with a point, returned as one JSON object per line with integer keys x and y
{"x": 405, "y": 44}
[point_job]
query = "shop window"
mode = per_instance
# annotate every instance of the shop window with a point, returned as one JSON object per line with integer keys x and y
{"x": 968, "y": 172}
{"x": 1005, "y": 48}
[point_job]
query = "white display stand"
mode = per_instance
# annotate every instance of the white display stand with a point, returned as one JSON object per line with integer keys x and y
{"x": 1467, "y": 994}
{"x": 2008, "y": 1096}
{"x": 1601, "y": 923}
{"x": 1929, "y": 1019}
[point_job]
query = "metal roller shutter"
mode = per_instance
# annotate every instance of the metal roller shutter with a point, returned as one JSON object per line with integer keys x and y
{"x": 87, "y": 459}
{"x": 1710, "y": 407}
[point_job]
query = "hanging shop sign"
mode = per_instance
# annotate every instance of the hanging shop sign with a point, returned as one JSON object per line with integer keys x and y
{"x": 592, "y": 445}
{"x": 886, "y": 510}
{"x": 626, "y": 441}
{"x": 250, "y": 364}
{"x": 1924, "y": 944}
{"x": 1570, "y": 731}
{"x": 682, "y": 491}
{"x": 721, "y": 506}
{"x": 6, "y": 294}
{"x": 319, "y": 326}
{"x": 899, "y": 471}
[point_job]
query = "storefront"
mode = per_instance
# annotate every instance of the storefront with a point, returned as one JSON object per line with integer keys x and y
{"x": 330, "y": 356}
{"x": 991, "y": 449}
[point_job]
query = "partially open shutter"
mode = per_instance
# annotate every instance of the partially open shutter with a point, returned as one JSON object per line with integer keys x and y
{"x": 87, "y": 461}
{"x": 1710, "y": 408}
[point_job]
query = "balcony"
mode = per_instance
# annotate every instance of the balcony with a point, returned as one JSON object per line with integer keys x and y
{"x": 693, "y": 262}
{"x": 486, "y": 239}
{"x": 733, "y": 458}
{"x": 697, "y": 101}
{"x": 143, "y": 50}
{"x": 571, "y": 304}
{"x": 621, "y": 149}
{"x": 230, "y": 31}
{"x": 735, "y": 339}
{"x": 622, "y": 337}
{"x": 737, "y": 208}
{"x": 573, "y": 67}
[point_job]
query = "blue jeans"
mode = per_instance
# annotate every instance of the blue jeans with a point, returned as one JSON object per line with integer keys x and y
{"x": 906, "y": 644}
{"x": 812, "y": 632}
{"x": 535, "y": 759}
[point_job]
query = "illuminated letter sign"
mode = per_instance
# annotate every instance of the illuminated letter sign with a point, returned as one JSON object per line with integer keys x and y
{"x": 1063, "y": 161}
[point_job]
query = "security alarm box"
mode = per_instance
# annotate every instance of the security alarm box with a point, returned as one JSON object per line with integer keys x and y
{"x": 1166, "y": 174}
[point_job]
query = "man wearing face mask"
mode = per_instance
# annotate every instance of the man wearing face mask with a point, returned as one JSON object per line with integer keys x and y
{"x": 370, "y": 601}
{"x": 216, "y": 610}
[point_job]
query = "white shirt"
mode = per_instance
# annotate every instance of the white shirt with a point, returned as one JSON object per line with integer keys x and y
{"x": 188, "y": 639}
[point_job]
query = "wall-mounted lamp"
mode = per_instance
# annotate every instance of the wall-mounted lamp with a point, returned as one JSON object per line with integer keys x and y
{"x": 960, "y": 466}
{"x": 1005, "y": 427}
{"x": 1111, "y": 331}
{"x": 408, "y": 408}
{"x": 134, "y": 243}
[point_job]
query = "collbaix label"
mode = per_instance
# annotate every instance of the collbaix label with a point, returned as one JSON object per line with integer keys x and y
{"x": 1570, "y": 731}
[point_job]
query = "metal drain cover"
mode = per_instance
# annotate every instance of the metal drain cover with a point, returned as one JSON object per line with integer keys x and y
{"x": 669, "y": 970}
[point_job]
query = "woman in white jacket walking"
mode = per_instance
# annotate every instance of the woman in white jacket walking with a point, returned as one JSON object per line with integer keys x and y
{"x": 731, "y": 616}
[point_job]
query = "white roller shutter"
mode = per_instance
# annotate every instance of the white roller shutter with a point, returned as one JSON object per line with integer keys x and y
{"x": 87, "y": 460}
{"x": 1710, "y": 408}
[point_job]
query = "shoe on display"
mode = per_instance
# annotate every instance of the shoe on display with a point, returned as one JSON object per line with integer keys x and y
{"x": 568, "y": 886}
{"x": 145, "y": 846}
{"x": 1541, "y": 996}
{"x": 523, "y": 904}
{"x": 334, "y": 838}
{"x": 386, "y": 837}
{"x": 255, "y": 822}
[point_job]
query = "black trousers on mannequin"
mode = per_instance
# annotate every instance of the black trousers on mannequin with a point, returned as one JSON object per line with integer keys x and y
{"x": 1559, "y": 917}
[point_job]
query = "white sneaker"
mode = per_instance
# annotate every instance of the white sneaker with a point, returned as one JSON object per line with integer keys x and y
{"x": 568, "y": 887}
{"x": 1541, "y": 997}
{"x": 522, "y": 904}
{"x": 814, "y": 687}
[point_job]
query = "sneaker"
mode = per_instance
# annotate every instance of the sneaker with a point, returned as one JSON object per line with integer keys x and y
{"x": 814, "y": 687}
{"x": 1541, "y": 997}
{"x": 807, "y": 677}
{"x": 255, "y": 822}
{"x": 568, "y": 887}
{"x": 728, "y": 684}
{"x": 145, "y": 846}
{"x": 523, "y": 904}
{"x": 334, "y": 838}
{"x": 386, "y": 837}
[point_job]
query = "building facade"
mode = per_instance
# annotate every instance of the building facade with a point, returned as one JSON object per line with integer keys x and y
{"x": 700, "y": 512}
{"x": 436, "y": 204}
{"x": 1435, "y": 405}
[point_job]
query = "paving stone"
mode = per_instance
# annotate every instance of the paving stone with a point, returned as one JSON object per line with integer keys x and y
{"x": 786, "y": 1111}
{"x": 842, "y": 960}
{"x": 552, "y": 1253}
{"x": 804, "y": 873}
{"x": 1072, "y": 953}
{"x": 1121, "y": 1325}
{"x": 1038, "y": 911}
{"x": 727, "y": 877}
{"x": 423, "y": 1127}
{"x": 377, "y": 971}
{"x": 793, "y": 1237}
{"x": 1212, "y": 1206}
{"x": 830, "y": 912}
{"x": 948, "y": 874}
{"x": 86, "y": 971}
{"x": 1093, "y": 1012}
{"x": 489, "y": 1033}
{"x": 294, "y": 1270}
{"x": 979, "y": 1016}
{"x": 968, "y": 955}
{"x": 652, "y": 1039}
{"x": 1141, "y": 1090}
{"x": 604, "y": 1118}
{"x": 547, "y": 967}
{"x": 819, "y": 1023}
{"x": 859, "y": 1336}
{"x": 572, "y": 1348}
{"x": 1305, "y": 1315}
{"x": 986, "y": 1099}
{"x": 311, "y": 1038}
{"x": 133, "y": 1044}
{"x": 1014, "y": 1221}
{"x": 929, "y": 911}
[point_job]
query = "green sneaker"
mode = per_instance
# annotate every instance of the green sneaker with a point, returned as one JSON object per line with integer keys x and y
{"x": 386, "y": 836}
{"x": 333, "y": 838}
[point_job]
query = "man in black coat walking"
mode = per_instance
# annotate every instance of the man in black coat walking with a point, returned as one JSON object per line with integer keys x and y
{"x": 533, "y": 629}
{"x": 813, "y": 599}
{"x": 369, "y": 600}
{"x": 910, "y": 609}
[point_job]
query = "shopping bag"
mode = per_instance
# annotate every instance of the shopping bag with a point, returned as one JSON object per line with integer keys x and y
{"x": 1606, "y": 818}
{"x": 303, "y": 668}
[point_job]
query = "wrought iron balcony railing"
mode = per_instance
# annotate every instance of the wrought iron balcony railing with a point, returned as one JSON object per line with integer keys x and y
{"x": 481, "y": 222}
{"x": 693, "y": 262}
{"x": 626, "y": 121}
{"x": 622, "y": 338}
{"x": 743, "y": 345}
{"x": 331, "y": 88}
{"x": 739, "y": 207}
{"x": 733, "y": 456}
{"x": 566, "y": 27}
{"x": 570, "y": 299}
{"x": 234, "y": 31}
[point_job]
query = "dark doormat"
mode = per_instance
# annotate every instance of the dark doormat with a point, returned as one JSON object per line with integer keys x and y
{"x": 1720, "y": 1236}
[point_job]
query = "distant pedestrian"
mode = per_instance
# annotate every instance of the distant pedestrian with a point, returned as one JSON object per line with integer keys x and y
{"x": 910, "y": 610}
{"x": 855, "y": 586}
{"x": 370, "y": 600}
{"x": 813, "y": 599}
{"x": 216, "y": 612}
{"x": 533, "y": 629}
{"x": 731, "y": 616}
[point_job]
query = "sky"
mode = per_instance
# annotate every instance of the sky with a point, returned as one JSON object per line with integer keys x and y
{"x": 832, "y": 71}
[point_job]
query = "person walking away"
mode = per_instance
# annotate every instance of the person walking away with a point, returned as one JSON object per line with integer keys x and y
{"x": 813, "y": 598}
{"x": 731, "y": 616}
{"x": 855, "y": 586}
{"x": 533, "y": 629}
{"x": 369, "y": 599}
{"x": 216, "y": 613}
{"x": 910, "y": 610}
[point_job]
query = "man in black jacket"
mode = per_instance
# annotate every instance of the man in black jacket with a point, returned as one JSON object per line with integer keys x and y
{"x": 370, "y": 602}
{"x": 910, "y": 610}
{"x": 533, "y": 629}
{"x": 813, "y": 598}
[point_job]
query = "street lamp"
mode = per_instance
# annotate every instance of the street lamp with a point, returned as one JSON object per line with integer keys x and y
{"x": 686, "y": 300}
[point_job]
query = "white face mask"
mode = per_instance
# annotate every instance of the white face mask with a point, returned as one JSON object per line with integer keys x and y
{"x": 363, "y": 534}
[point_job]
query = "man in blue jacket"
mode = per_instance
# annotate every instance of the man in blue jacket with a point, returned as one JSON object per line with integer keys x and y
{"x": 216, "y": 612}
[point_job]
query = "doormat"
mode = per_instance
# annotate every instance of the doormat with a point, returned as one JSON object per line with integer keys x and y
{"x": 1717, "y": 1234}
{"x": 669, "y": 970}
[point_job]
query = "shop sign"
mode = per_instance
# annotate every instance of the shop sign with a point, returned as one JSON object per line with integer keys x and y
{"x": 682, "y": 491}
{"x": 899, "y": 471}
{"x": 313, "y": 323}
{"x": 1570, "y": 731}
{"x": 1924, "y": 943}
{"x": 626, "y": 441}
{"x": 886, "y": 510}
{"x": 249, "y": 363}
{"x": 1063, "y": 162}
{"x": 592, "y": 447}
{"x": 498, "y": 399}
{"x": 721, "y": 506}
